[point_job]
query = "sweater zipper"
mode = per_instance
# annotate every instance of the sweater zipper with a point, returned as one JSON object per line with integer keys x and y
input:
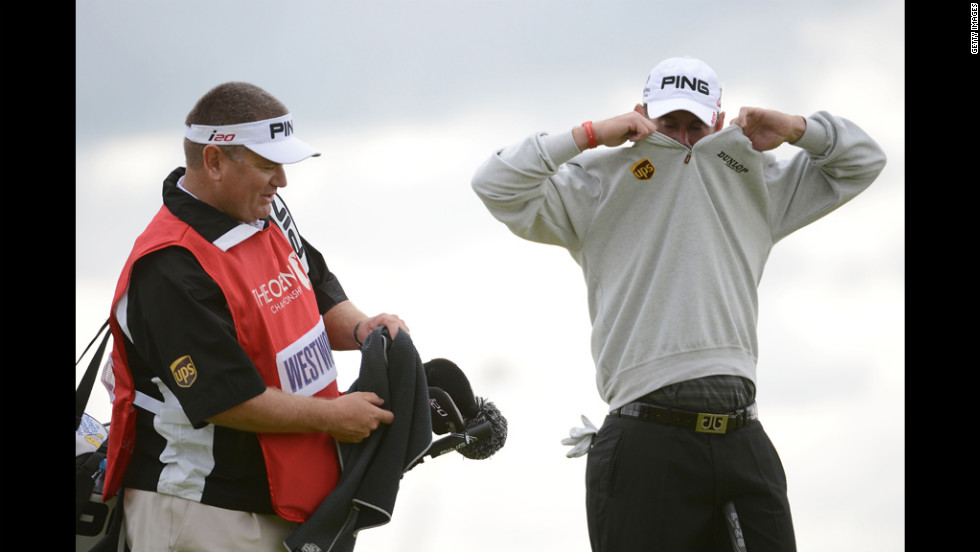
{"x": 688, "y": 158}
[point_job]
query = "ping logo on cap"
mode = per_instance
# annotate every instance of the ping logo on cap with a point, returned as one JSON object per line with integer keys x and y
{"x": 643, "y": 169}
{"x": 682, "y": 82}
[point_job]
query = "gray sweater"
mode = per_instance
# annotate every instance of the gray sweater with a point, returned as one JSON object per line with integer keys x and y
{"x": 672, "y": 240}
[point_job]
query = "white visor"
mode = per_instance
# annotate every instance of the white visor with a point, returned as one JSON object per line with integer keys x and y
{"x": 273, "y": 139}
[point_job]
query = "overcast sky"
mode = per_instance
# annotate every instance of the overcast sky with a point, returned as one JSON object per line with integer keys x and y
{"x": 405, "y": 100}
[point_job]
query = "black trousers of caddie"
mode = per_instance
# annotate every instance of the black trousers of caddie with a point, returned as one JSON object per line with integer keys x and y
{"x": 660, "y": 488}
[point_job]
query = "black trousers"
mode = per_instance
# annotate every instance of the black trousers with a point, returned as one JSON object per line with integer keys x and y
{"x": 652, "y": 487}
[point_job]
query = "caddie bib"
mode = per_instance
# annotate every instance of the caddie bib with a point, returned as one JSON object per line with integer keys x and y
{"x": 278, "y": 324}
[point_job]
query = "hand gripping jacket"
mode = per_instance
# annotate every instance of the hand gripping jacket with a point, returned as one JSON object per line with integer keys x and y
{"x": 278, "y": 325}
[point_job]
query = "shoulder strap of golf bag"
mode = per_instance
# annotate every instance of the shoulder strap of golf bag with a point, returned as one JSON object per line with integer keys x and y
{"x": 84, "y": 389}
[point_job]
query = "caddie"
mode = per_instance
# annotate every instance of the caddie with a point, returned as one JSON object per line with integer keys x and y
{"x": 226, "y": 411}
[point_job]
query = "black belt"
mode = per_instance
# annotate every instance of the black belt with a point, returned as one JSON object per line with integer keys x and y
{"x": 702, "y": 422}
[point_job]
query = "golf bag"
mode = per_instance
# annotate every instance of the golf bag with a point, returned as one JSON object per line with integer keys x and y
{"x": 98, "y": 524}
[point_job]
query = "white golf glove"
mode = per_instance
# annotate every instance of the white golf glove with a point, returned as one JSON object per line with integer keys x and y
{"x": 580, "y": 439}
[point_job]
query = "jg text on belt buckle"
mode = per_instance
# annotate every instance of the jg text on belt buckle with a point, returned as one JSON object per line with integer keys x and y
{"x": 712, "y": 423}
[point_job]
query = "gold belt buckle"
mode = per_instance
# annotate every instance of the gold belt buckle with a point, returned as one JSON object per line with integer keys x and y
{"x": 712, "y": 423}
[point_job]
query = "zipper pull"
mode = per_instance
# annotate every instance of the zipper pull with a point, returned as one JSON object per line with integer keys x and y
{"x": 688, "y": 158}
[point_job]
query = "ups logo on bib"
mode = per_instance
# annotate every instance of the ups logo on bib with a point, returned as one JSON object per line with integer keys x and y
{"x": 643, "y": 169}
{"x": 184, "y": 372}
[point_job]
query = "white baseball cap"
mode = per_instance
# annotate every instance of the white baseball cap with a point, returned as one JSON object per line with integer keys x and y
{"x": 273, "y": 138}
{"x": 683, "y": 83}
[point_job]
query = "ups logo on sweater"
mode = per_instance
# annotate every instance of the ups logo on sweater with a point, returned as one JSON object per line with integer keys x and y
{"x": 643, "y": 169}
{"x": 184, "y": 372}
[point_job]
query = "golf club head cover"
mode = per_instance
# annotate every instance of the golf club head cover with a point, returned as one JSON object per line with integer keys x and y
{"x": 445, "y": 375}
{"x": 485, "y": 448}
{"x": 446, "y": 417}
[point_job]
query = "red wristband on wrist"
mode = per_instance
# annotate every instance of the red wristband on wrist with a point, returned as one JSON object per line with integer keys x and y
{"x": 590, "y": 134}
